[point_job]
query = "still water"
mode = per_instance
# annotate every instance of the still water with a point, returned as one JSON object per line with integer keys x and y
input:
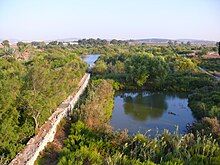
{"x": 144, "y": 111}
{"x": 90, "y": 59}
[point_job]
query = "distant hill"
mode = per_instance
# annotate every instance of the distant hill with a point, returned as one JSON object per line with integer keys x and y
{"x": 151, "y": 40}
{"x": 163, "y": 41}
{"x": 199, "y": 42}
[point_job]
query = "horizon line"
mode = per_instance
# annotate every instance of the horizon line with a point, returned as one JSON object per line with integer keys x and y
{"x": 109, "y": 39}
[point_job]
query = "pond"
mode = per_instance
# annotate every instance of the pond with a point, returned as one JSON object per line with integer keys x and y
{"x": 90, "y": 59}
{"x": 151, "y": 113}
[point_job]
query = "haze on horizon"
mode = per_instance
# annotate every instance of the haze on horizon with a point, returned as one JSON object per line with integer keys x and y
{"x": 124, "y": 19}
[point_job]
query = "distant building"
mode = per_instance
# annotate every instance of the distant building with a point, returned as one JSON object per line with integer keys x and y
{"x": 71, "y": 43}
{"x": 74, "y": 43}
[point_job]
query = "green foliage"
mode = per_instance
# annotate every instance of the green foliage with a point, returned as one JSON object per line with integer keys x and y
{"x": 87, "y": 146}
{"x": 187, "y": 82}
{"x": 92, "y": 42}
{"x": 182, "y": 64}
{"x": 39, "y": 45}
{"x": 207, "y": 126}
{"x": 202, "y": 52}
{"x": 137, "y": 69}
{"x": 50, "y": 80}
{"x": 5, "y": 43}
{"x": 31, "y": 91}
{"x": 206, "y": 102}
{"x": 205, "y": 105}
{"x": 169, "y": 72}
{"x": 12, "y": 132}
{"x": 211, "y": 64}
{"x": 22, "y": 46}
{"x": 99, "y": 91}
{"x": 7, "y": 51}
{"x": 100, "y": 67}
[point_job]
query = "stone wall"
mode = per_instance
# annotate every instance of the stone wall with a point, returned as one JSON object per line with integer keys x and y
{"x": 47, "y": 132}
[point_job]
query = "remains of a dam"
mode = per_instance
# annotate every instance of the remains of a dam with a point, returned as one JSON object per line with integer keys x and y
{"x": 47, "y": 132}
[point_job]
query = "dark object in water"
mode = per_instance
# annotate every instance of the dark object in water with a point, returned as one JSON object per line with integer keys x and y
{"x": 172, "y": 113}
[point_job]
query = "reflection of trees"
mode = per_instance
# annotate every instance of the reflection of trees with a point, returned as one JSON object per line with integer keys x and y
{"x": 141, "y": 106}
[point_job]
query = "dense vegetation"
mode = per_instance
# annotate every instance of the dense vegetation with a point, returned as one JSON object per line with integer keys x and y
{"x": 31, "y": 89}
{"x": 211, "y": 64}
{"x": 205, "y": 104}
{"x": 206, "y": 101}
{"x": 98, "y": 144}
{"x": 86, "y": 146}
{"x": 100, "y": 91}
{"x": 30, "y": 92}
{"x": 153, "y": 72}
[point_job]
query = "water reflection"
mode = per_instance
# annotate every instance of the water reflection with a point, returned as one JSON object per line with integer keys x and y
{"x": 141, "y": 106}
{"x": 141, "y": 111}
{"x": 90, "y": 59}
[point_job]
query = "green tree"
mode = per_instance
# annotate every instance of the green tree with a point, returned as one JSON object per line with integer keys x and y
{"x": 60, "y": 44}
{"x": 188, "y": 43}
{"x": 7, "y": 49}
{"x": 137, "y": 69}
{"x": 22, "y": 47}
{"x": 53, "y": 43}
{"x": 182, "y": 64}
{"x": 100, "y": 67}
{"x": 158, "y": 70}
{"x": 6, "y": 44}
{"x": 120, "y": 67}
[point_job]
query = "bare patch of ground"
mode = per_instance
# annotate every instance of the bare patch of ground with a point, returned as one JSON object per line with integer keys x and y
{"x": 211, "y": 55}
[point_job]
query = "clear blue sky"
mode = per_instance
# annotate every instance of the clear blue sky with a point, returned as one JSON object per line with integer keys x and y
{"x": 120, "y": 19}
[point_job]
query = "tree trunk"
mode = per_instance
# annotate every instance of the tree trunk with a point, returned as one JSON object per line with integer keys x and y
{"x": 36, "y": 122}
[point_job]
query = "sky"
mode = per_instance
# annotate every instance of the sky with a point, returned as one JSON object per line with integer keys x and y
{"x": 108, "y": 19}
